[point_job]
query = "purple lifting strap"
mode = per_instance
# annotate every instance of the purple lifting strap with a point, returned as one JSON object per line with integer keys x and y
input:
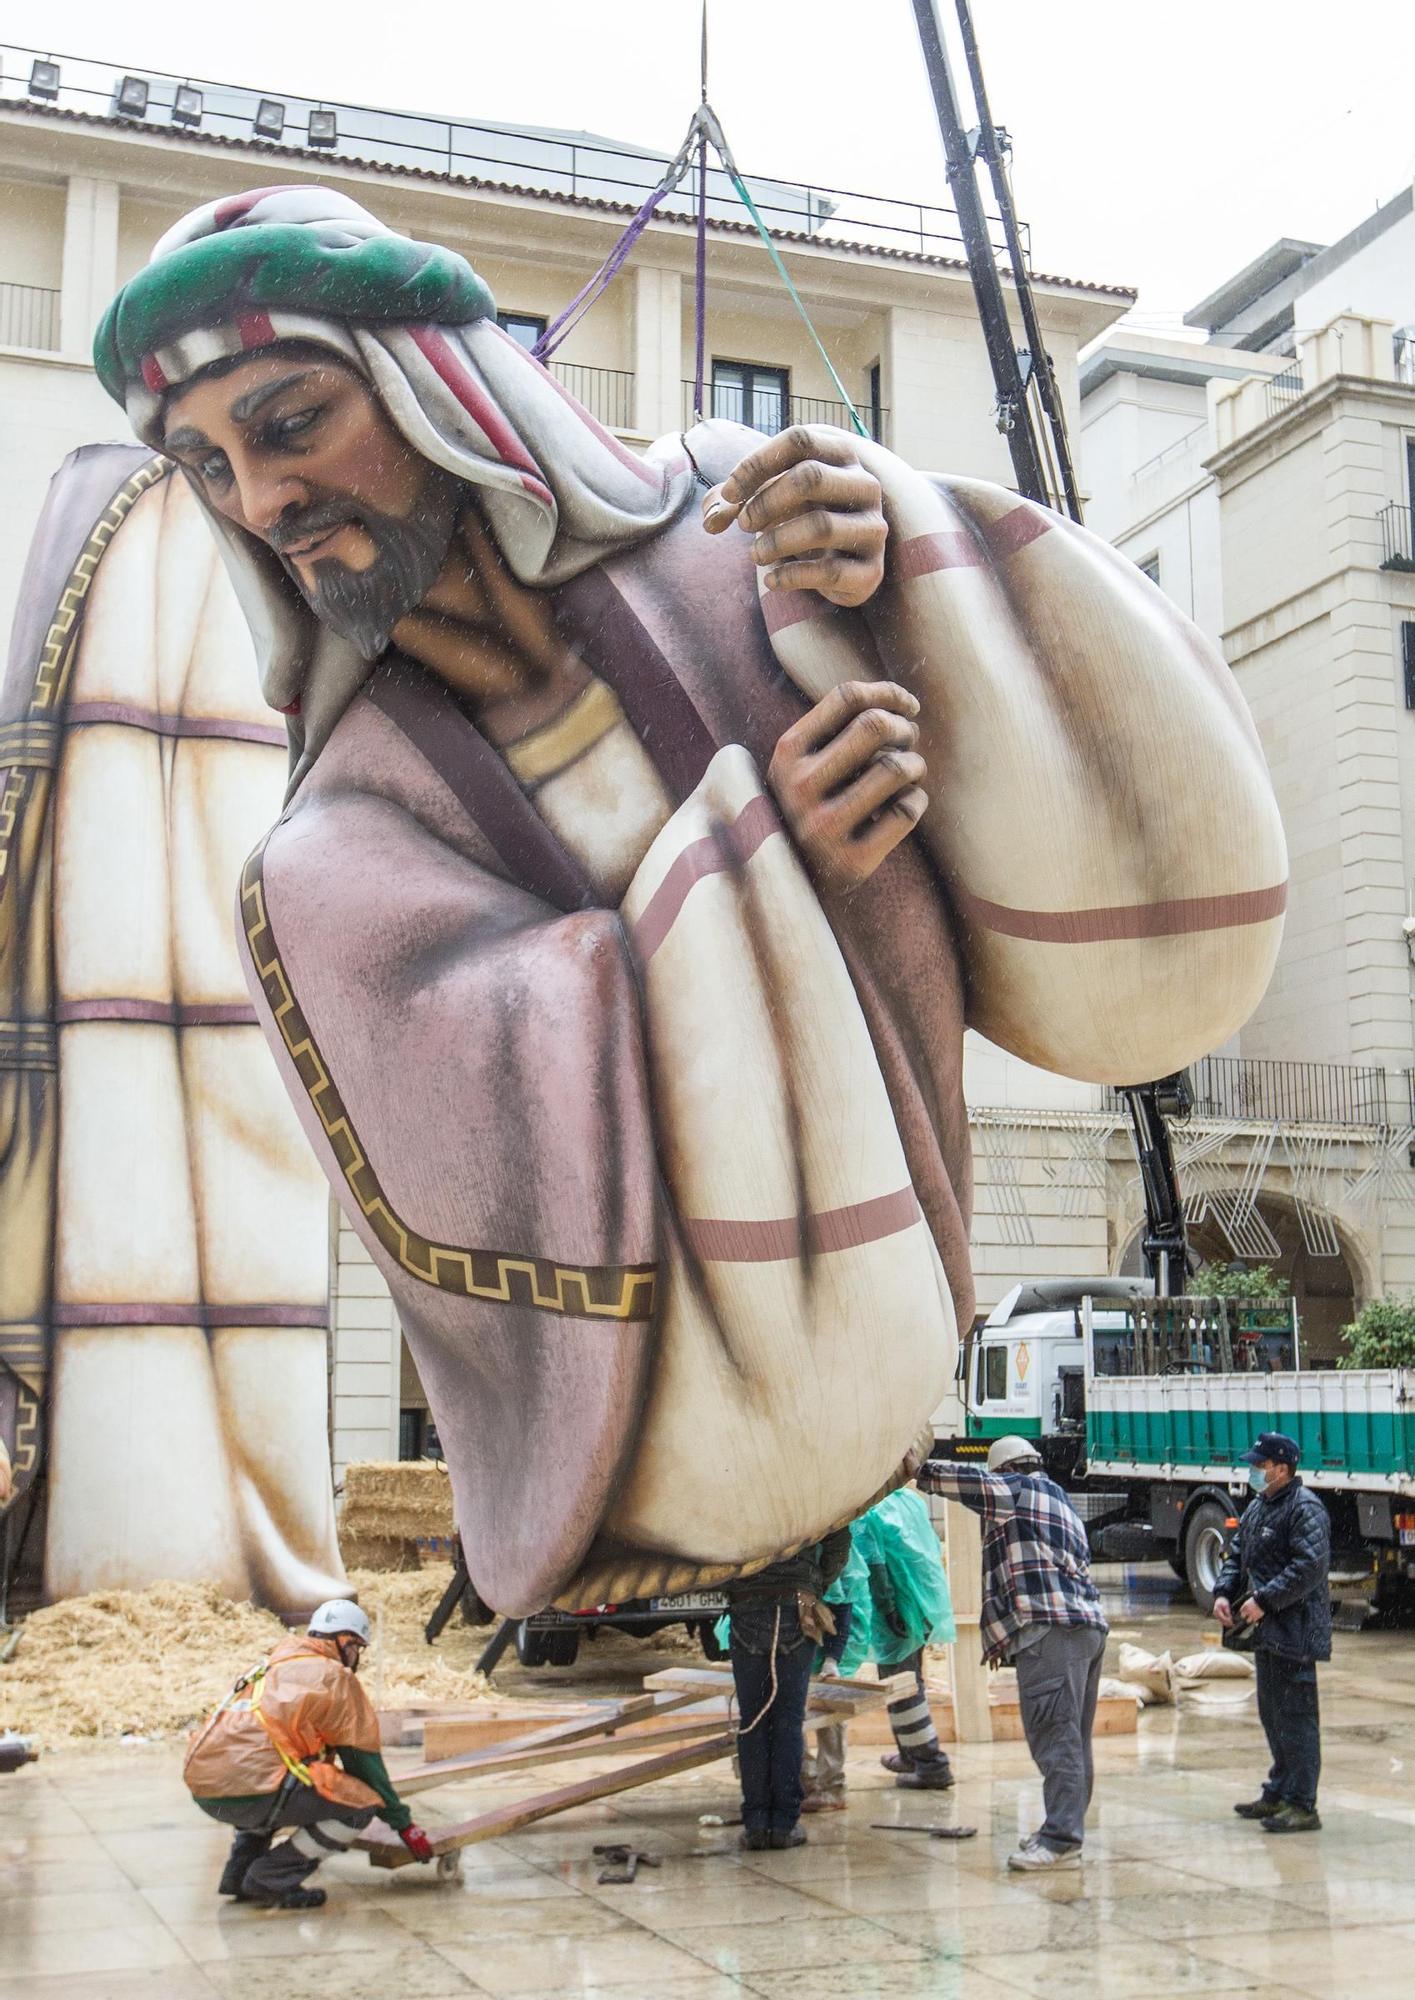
{"x": 603, "y": 277}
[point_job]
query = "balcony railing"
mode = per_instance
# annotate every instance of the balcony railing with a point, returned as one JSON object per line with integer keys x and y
{"x": 607, "y": 393}
{"x": 461, "y": 148}
{"x": 29, "y": 317}
{"x": 1397, "y": 536}
{"x": 1296, "y": 1093}
{"x": 727, "y": 401}
{"x": 1284, "y": 390}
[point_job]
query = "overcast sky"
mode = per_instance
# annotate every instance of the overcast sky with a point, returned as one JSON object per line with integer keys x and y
{"x": 1156, "y": 144}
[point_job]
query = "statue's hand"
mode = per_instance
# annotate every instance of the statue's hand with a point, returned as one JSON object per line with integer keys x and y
{"x": 849, "y": 781}
{"x": 815, "y": 511}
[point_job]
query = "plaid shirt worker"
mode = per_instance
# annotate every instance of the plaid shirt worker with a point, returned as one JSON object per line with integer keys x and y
{"x": 1036, "y": 1560}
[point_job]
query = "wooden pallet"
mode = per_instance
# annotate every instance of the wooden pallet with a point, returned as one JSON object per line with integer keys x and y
{"x": 700, "y": 1696}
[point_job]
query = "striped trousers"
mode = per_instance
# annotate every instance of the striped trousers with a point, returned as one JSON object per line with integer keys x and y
{"x": 915, "y": 1736}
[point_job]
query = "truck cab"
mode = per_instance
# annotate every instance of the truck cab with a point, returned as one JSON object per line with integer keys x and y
{"x": 1026, "y": 1364}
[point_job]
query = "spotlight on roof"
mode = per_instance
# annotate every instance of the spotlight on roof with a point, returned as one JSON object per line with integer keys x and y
{"x": 44, "y": 79}
{"x": 324, "y": 128}
{"x": 130, "y": 98}
{"x": 186, "y": 105}
{"x": 270, "y": 119}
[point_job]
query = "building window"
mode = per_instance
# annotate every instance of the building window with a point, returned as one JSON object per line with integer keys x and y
{"x": 747, "y": 394}
{"x": 1150, "y": 567}
{"x": 1407, "y": 659}
{"x": 524, "y": 328}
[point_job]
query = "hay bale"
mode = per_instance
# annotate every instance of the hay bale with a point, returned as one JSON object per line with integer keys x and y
{"x": 400, "y": 1501}
{"x": 378, "y": 1552}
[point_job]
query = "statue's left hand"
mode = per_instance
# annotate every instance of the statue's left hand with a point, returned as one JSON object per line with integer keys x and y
{"x": 815, "y": 511}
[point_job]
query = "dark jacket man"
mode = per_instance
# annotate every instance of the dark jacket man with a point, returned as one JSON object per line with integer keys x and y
{"x": 1275, "y": 1577}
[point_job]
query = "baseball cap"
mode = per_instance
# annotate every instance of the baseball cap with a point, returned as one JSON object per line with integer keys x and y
{"x": 1274, "y": 1446}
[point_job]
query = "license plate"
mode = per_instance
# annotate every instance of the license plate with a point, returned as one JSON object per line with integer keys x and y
{"x": 1407, "y": 1538}
{"x": 693, "y": 1600}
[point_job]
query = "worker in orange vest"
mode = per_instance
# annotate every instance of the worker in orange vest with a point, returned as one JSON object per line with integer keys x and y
{"x": 265, "y": 1760}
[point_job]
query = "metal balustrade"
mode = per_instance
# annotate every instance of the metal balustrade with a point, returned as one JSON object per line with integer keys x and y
{"x": 607, "y": 393}
{"x": 1397, "y": 535}
{"x": 29, "y": 317}
{"x": 1266, "y": 1091}
{"x": 1283, "y": 390}
{"x": 725, "y": 399}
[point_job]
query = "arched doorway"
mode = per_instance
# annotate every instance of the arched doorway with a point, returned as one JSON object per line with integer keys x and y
{"x": 1324, "y": 1287}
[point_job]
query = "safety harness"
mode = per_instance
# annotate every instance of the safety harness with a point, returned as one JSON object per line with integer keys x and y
{"x": 255, "y": 1680}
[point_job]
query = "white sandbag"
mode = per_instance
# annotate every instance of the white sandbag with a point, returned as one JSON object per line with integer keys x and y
{"x": 1214, "y": 1664}
{"x": 1151, "y": 1673}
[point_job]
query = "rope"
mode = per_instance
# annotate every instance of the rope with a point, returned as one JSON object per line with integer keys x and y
{"x": 785, "y": 276}
{"x": 765, "y": 1708}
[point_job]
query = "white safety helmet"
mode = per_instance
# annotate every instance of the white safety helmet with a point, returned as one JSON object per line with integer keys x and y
{"x": 340, "y": 1614}
{"x": 1003, "y": 1451}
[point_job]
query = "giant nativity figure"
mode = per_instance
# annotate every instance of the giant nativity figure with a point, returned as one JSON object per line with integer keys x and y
{"x": 638, "y": 875}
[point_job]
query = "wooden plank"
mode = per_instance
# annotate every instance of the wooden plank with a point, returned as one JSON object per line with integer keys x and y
{"x": 501, "y": 1759}
{"x": 963, "y": 1530}
{"x": 718, "y": 1680}
{"x": 637, "y": 1708}
{"x": 1115, "y": 1716}
{"x": 387, "y": 1851}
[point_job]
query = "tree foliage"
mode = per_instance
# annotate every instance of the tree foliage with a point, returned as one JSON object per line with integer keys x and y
{"x": 1233, "y": 1281}
{"x": 1382, "y": 1335}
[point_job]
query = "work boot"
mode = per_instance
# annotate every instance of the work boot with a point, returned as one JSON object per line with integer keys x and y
{"x": 754, "y": 1838}
{"x": 1293, "y": 1819}
{"x": 245, "y": 1848}
{"x": 1263, "y": 1808}
{"x": 935, "y": 1774}
{"x": 815, "y": 1802}
{"x": 895, "y": 1760}
{"x": 787, "y": 1836}
{"x": 292, "y": 1899}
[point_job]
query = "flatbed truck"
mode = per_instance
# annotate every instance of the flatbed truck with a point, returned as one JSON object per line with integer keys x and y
{"x": 1142, "y": 1408}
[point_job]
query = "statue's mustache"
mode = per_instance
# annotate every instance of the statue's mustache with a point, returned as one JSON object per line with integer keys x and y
{"x": 311, "y": 521}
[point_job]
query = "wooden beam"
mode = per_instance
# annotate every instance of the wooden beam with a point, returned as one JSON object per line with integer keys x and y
{"x": 636, "y": 1709}
{"x": 387, "y": 1851}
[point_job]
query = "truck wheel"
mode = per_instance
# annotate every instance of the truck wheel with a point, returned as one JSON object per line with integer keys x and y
{"x": 530, "y": 1646}
{"x": 546, "y": 1649}
{"x": 708, "y": 1639}
{"x": 1205, "y": 1539}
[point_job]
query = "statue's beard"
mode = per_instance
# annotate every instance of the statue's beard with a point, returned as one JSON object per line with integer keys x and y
{"x": 364, "y": 605}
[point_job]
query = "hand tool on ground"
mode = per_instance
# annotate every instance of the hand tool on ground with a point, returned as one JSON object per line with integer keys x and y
{"x": 622, "y": 1861}
{"x": 934, "y": 1832}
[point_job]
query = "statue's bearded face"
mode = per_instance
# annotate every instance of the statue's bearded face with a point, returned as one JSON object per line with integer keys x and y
{"x": 291, "y": 446}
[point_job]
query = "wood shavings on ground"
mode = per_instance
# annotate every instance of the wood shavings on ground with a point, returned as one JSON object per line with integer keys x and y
{"x": 149, "y": 1663}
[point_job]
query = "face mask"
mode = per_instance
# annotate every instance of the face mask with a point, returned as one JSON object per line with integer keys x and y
{"x": 1257, "y": 1479}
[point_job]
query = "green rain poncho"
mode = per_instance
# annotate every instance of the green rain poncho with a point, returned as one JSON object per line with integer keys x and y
{"x": 907, "y": 1604}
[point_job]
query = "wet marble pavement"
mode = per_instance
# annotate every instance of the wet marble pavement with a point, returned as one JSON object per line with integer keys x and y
{"x": 108, "y": 1874}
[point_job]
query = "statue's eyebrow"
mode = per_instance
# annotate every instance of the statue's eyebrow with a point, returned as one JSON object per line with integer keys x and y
{"x": 186, "y": 439}
{"x": 245, "y": 407}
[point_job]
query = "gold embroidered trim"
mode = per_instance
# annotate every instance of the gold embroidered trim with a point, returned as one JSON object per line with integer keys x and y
{"x": 609, "y": 1291}
{"x": 549, "y": 749}
{"x": 56, "y": 657}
